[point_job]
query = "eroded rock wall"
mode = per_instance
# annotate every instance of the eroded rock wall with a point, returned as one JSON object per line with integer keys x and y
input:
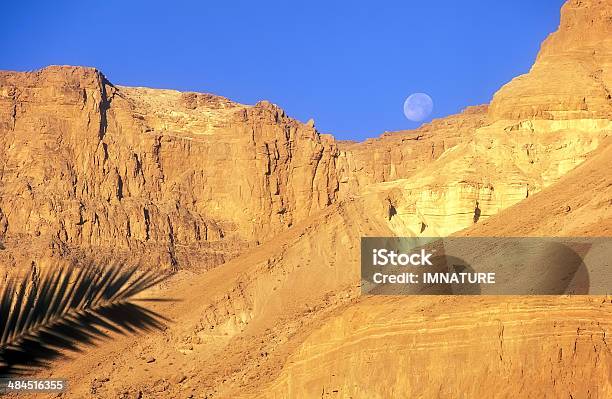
{"x": 163, "y": 175}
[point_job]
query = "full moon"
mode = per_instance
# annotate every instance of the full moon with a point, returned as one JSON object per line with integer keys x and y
{"x": 418, "y": 106}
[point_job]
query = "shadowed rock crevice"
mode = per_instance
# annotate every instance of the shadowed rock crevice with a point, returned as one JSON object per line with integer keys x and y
{"x": 392, "y": 211}
{"x": 477, "y": 212}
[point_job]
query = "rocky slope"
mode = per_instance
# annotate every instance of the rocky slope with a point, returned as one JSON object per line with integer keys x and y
{"x": 455, "y": 347}
{"x": 286, "y": 320}
{"x": 471, "y": 346}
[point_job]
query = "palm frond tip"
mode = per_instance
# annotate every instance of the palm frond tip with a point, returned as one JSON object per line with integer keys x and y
{"x": 66, "y": 307}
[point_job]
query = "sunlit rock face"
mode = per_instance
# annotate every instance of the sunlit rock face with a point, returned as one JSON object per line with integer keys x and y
{"x": 398, "y": 155}
{"x": 168, "y": 176}
{"x": 538, "y": 127}
{"x": 443, "y": 346}
{"x": 499, "y": 165}
{"x": 572, "y": 75}
{"x": 461, "y": 347}
{"x": 90, "y": 168}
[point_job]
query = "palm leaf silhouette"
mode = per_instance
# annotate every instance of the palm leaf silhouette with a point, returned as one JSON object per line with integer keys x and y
{"x": 41, "y": 316}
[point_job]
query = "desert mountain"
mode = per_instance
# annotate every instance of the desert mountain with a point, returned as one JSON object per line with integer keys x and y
{"x": 471, "y": 346}
{"x": 89, "y": 168}
{"x": 260, "y": 215}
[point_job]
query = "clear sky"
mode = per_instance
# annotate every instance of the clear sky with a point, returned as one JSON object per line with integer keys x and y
{"x": 347, "y": 64}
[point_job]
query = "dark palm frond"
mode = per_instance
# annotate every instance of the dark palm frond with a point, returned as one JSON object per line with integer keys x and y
{"x": 63, "y": 308}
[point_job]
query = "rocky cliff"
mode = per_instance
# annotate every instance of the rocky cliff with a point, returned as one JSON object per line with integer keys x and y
{"x": 538, "y": 127}
{"x": 572, "y": 76}
{"x": 90, "y": 169}
{"x": 157, "y": 175}
{"x": 471, "y": 346}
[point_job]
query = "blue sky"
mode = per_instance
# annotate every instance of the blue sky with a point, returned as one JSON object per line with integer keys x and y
{"x": 349, "y": 65}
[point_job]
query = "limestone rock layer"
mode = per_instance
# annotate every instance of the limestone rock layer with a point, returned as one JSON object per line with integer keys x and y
{"x": 168, "y": 176}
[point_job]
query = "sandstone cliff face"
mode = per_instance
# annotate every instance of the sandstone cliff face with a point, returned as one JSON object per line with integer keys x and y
{"x": 92, "y": 168}
{"x": 399, "y": 155}
{"x": 538, "y": 127}
{"x": 473, "y": 346}
{"x": 458, "y": 347}
{"x": 572, "y": 76}
{"x": 497, "y": 166}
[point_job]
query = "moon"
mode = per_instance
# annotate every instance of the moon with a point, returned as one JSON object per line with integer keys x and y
{"x": 418, "y": 107}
